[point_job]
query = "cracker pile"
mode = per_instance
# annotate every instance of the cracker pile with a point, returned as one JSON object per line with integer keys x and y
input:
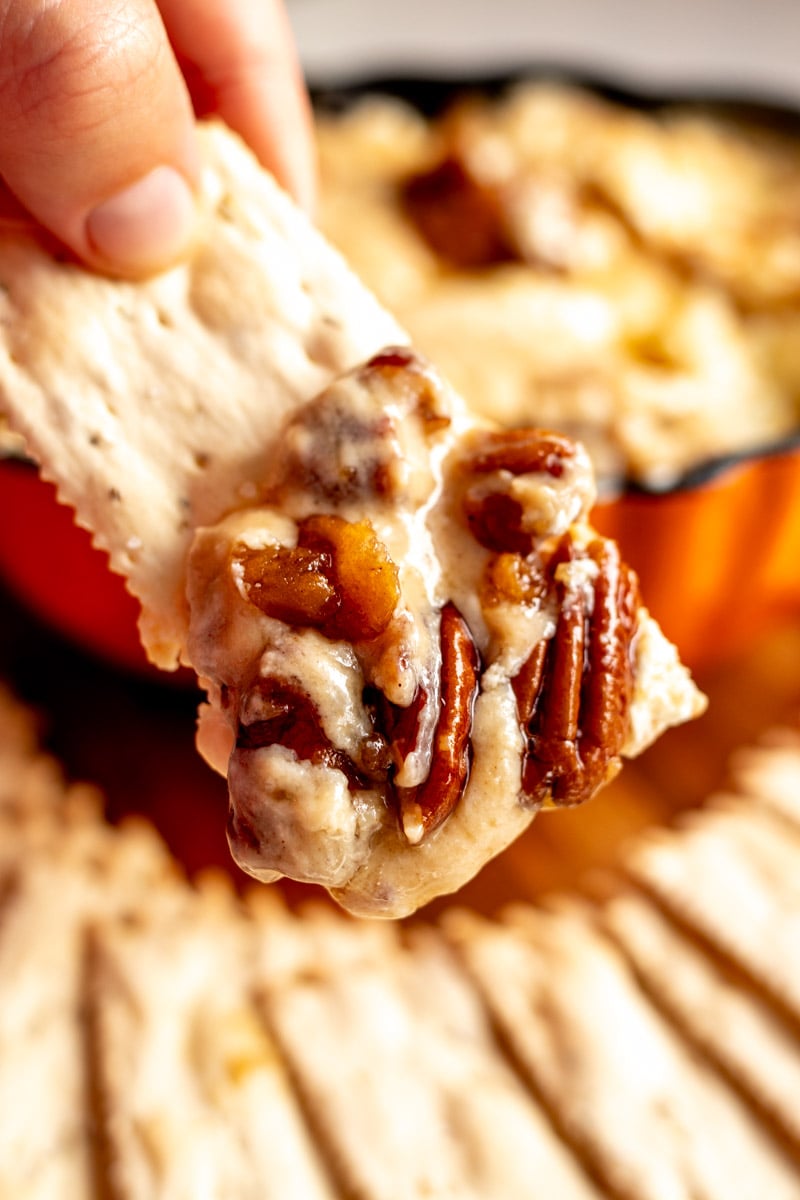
{"x": 159, "y": 1038}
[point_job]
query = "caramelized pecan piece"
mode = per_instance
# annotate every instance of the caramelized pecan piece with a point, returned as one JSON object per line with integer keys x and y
{"x": 291, "y": 719}
{"x": 420, "y": 383}
{"x": 522, "y": 452}
{"x": 400, "y": 725}
{"x": 610, "y": 678}
{"x": 495, "y": 520}
{"x": 574, "y": 691}
{"x": 347, "y": 445}
{"x": 495, "y": 516}
{"x": 512, "y": 579}
{"x": 339, "y": 578}
{"x": 424, "y": 808}
{"x": 460, "y": 216}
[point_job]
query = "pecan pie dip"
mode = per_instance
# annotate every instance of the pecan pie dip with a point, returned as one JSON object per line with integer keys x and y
{"x": 414, "y": 642}
{"x": 410, "y": 636}
{"x": 629, "y": 277}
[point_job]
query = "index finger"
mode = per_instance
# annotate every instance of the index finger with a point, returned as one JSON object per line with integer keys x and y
{"x": 240, "y": 60}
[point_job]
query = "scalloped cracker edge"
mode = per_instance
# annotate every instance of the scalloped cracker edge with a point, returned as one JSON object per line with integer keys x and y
{"x": 152, "y": 404}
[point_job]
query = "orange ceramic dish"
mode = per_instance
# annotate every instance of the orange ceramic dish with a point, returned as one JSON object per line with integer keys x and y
{"x": 53, "y": 569}
{"x": 718, "y": 558}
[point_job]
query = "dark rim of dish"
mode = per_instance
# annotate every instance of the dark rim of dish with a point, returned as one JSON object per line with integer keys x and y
{"x": 431, "y": 94}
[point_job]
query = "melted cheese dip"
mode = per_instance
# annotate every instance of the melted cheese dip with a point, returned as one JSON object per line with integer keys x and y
{"x": 651, "y": 305}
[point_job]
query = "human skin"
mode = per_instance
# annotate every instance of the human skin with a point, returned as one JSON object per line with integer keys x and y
{"x": 98, "y": 100}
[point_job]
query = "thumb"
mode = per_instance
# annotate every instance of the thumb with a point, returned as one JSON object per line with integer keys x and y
{"x": 97, "y": 135}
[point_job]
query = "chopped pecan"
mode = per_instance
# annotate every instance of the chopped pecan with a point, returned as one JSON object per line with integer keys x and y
{"x": 423, "y": 387}
{"x": 424, "y": 808}
{"x": 288, "y": 717}
{"x": 461, "y": 217}
{"x": 291, "y": 719}
{"x": 511, "y": 579}
{"x": 610, "y": 678}
{"x": 495, "y": 516}
{"x": 364, "y": 576}
{"x": 523, "y": 452}
{"x": 495, "y": 520}
{"x": 339, "y": 578}
{"x": 400, "y": 725}
{"x": 573, "y": 693}
{"x": 346, "y": 444}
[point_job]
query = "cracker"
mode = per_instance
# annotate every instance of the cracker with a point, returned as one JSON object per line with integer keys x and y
{"x": 50, "y": 891}
{"x": 402, "y": 1077}
{"x": 193, "y": 1092}
{"x": 770, "y": 772}
{"x": 649, "y": 1119}
{"x": 729, "y": 874}
{"x": 735, "y": 1029}
{"x": 150, "y": 404}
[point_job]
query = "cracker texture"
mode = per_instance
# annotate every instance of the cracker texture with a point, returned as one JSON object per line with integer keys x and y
{"x": 152, "y": 405}
{"x": 160, "y": 1038}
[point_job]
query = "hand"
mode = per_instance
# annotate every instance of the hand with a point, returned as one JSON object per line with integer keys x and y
{"x": 98, "y": 100}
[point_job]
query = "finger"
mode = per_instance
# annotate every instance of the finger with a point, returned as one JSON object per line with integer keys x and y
{"x": 97, "y": 137}
{"x": 242, "y": 55}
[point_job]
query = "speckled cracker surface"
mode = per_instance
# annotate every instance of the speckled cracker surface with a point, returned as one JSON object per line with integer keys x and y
{"x": 124, "y": 390}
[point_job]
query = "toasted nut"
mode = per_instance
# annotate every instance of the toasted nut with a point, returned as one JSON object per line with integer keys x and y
{"x": 424, "y": 808}
{"x": 364, "y": 575}
{"x": 460, "y": 217}
{"x": 559, "y": 720}
{"x": 523, "y": 452}
{"x": 495, "y": 521}
{"x": 495, "y": 516}
{"x": 423, "y": 387}
{"x": 609, "y": 678}
{"x": 527, "y": 683}
{"x": 339, "y": 578}
{"x": 291, "y": 584}
{"x": 346, "y": 445}
{"x": 291, "y": 719}
{"x": 573, "y": 693}
{"x": 512, "y": 579}
{"x": 400, "y": 725}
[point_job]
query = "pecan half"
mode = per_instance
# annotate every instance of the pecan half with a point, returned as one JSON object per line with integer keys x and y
{"x": 424, "y": 808}
{"x": 496, "y": 517}
{"x": 574, "y": 691}
{"x": 339, "y": 579}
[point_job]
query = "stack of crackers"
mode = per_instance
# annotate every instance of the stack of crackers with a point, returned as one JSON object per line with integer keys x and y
{"x": 160, "y": 1038}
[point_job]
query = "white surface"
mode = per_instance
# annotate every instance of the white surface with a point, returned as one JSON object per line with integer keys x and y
{"x": 750, "y": 46}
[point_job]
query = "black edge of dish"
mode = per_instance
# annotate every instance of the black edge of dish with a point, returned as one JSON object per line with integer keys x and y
{"x": 431, "y": 94}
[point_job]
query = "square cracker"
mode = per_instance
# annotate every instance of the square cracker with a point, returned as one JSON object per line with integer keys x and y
{"x": 152, "y": 403}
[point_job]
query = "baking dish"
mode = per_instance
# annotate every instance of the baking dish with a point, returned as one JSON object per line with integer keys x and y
{"x": 716, "y": 546}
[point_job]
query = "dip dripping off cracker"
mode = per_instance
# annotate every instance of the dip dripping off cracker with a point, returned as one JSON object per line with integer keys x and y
{"x": 410, "y": 635}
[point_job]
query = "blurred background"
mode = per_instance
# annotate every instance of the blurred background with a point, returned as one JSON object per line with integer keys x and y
{"x": 724, "y": 44}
